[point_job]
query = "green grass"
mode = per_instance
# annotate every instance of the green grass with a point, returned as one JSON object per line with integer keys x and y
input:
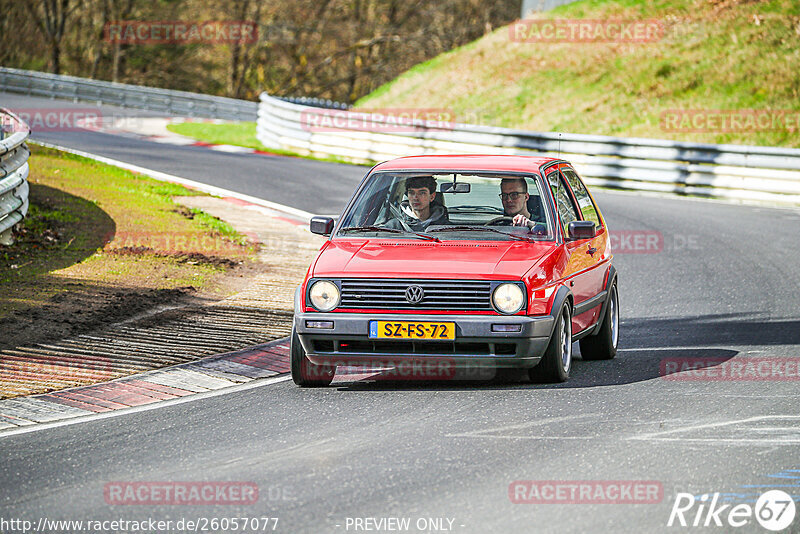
{"x": 219, "y": 226}
{"x": 237, "y": 134}
{"x": 730, "y": 55}
{"x": 228, "y": 133}
{"x": 94, "y": 224}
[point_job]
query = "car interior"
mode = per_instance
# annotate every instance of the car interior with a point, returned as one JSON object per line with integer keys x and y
{"x": 386, "y": 198}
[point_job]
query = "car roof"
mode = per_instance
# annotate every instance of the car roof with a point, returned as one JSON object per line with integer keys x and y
{"x": 477, "y": 162}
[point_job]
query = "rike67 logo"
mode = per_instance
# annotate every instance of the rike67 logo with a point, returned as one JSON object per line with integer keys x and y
{"x": 774, "y": 510}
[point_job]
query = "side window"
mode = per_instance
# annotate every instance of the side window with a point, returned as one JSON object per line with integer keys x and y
{"x": 567, "y": 211}
{"x": 582, "y": 196}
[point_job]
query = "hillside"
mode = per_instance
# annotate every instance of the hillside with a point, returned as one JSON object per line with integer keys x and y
{"x": 711, "y": 55}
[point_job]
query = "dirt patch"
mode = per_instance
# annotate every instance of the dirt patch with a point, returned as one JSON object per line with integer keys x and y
{"x": 82, "y": 309}
{"x": 190, "y": 258}
{"x": 77, "y": 263}
{"x": 78, "y": 307}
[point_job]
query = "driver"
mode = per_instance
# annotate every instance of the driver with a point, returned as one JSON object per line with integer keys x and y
{"x": 514, "y": 195}
{"x": 421, "y": 191}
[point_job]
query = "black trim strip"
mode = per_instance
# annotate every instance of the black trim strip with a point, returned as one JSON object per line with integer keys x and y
{"x": 593, "y": 302}
{"x": 583, "y": 333}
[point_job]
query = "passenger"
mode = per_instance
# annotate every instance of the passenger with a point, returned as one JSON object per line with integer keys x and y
{"x": 514, "y": 195}
{"x": 421, "y": 192}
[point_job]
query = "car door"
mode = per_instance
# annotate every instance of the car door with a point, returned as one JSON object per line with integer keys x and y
{"x": 597, "y": 247}
{"x": 581, "y": 272}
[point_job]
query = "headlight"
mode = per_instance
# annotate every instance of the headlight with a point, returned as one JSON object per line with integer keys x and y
{"x": 508, "y": 298}
{"x": 324, "y": 295}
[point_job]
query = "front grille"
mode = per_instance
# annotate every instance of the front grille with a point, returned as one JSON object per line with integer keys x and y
{"x": 466, "y": 295}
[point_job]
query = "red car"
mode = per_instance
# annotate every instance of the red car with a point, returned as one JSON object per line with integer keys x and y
{"x": 481, "y": 262}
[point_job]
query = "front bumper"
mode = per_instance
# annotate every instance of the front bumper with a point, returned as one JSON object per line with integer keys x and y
{"x": 348, "y": 342}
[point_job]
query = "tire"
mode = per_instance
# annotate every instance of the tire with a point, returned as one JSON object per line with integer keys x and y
{"x": 557, "y": 360}
{"x": 305, "y": 373}
{"x": 603, "y": 344}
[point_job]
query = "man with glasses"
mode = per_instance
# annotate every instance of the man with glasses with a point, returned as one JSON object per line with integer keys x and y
{"x": 514, "y": 194}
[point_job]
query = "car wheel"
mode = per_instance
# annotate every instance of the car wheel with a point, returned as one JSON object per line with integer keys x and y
{"x": 557, "y": 360}
{"x": 304, "y": 372}
{"x": 603, "y": 344}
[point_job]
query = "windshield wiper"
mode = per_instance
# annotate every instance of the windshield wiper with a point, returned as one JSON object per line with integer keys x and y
{"x": 482, "y": 229}
{"x": 390, "y": 230}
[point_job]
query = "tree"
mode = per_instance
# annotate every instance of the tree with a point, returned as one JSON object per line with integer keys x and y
{"x": 115, "y": 11}
{"x": 241, "y": 52}
{"x": 51, "y": 17}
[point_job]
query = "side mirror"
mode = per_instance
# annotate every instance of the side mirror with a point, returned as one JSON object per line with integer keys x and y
{"x": 581, "y": 230}
{"x": 321, "y": 225}
{"x": 455, "y": 187}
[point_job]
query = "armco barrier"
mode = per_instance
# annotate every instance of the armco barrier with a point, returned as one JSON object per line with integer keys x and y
{"x": 747, "y": 173}
{"x": 175, "y": 103}
{"x": 13, "y": 173}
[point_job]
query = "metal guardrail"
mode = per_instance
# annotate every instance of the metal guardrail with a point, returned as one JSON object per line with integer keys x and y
{"x": 177, "y": 103}
{"x": 13, "y": 173}
{"x": 735, "y": 172}
{"x": 315, "y": 102}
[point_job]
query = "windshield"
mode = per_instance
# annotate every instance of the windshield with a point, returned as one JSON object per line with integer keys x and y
{"x": 449, "y": 206}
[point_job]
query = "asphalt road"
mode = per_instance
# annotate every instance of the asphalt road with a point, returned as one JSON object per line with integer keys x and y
{"x": 723, "y": 284}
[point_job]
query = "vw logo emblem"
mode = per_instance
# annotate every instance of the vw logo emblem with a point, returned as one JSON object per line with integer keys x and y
{"x": 414, "y": 294}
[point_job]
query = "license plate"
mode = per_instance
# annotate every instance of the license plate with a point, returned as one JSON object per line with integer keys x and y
{"x": 412, "y": 330}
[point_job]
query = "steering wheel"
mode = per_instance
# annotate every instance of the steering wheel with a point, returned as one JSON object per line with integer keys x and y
{"x": 500, "y": 219}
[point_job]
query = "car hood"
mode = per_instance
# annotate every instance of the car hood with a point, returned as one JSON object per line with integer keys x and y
{"x": 427, "y": 259}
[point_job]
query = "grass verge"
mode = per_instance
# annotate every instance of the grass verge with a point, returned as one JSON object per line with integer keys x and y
{"x": 713, "y": 55}
{"x": 237, "y": 134}
{"x": 222, "y": 133}
{"x": 100, "y": 244}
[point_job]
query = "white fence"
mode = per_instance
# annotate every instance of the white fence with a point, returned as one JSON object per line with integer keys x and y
{"x": 13, "y": 173}
{"x": 735, "y": 172}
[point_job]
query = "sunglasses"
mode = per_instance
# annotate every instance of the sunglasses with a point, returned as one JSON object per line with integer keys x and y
{"x": 513, "y": 196}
